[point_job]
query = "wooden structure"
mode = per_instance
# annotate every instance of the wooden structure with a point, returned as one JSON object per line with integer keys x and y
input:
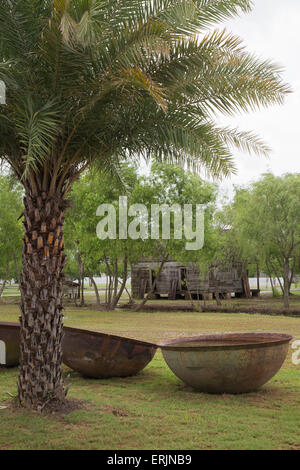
{"x": 177, "y": 280}
{"x": 71, "y": 289}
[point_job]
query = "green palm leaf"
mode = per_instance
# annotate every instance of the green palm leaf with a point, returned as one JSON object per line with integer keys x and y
{"x": 100, "y": 79}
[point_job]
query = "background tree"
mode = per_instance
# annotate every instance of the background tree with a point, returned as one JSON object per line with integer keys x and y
{"x": 93, "y": 80}
{"x": 171, "y": 185}
{"x": 268, "y": 215}
{"x": 233, "y": 242}
{"x": 10, "y": 230}
{"x": 109, "y": 257}
{"x": 166, "y": 184}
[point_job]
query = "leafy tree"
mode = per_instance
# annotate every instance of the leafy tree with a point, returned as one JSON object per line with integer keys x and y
{"x": 166, "y": 184}
{"x": 10, "y": 229}
{"x": 233, "y": 243}
{"x": 268, "y": 215}
{"x": 91, "y": 80}
{"x": 96, "y": 257}
{"x": 172, "y": 186}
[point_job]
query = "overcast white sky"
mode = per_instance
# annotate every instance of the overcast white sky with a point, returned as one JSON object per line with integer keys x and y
{"x": 271, "y": 31}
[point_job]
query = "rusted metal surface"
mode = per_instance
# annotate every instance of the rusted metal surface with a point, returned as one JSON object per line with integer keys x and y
{"x": 219, "y": 363}
{"x": 100, "y": 355}
{"x": 90, "y": 353}
{"x": 9, "y": 344}
{"x": 226, "y": 363}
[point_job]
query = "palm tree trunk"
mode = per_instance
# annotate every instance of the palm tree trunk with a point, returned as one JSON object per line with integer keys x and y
{"x": 40, "y": 376}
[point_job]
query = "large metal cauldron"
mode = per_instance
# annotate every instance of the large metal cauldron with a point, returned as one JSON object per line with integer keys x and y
{"x": 9, "y": 344}
{"x": 226, "y": 363}
{"x": 100, "y": 355}
{"x": 90, "y": 353}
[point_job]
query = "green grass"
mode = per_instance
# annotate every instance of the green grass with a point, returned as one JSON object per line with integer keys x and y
{"x": 155, "y": 410}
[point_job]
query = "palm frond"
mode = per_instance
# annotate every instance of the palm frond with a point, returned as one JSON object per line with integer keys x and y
{"x": 37, "y": 130}
{"x": 97, "y": 80}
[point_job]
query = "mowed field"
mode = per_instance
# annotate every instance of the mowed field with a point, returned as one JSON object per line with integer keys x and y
{"x": 155, "y": 410}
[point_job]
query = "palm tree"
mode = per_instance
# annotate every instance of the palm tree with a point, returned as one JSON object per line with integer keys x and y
{"x": 103, "y": 81}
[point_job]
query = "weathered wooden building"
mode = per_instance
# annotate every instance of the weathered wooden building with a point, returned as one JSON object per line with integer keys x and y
{"x": 177, "y": 280}
{"x": 71, "y": 289}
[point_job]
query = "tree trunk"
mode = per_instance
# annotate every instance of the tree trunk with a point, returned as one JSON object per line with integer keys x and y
{"x": 41, "y": 287}
{"x": 278, "y": 277}
{"x": 93, "y": 282}
{"x": 216, "y": 290}
{"x": 141, "y": 305}
{"x": 270, "y": 276}
{"x": 109, "y": 294}
{"x": 217, "y": 297}
{"x": 123, "y": 284}
{"x": 291, "y": 277}
{"x": 17, "y": 269}
{"x": 106, "y": 290}
{"x": 131, "y": 301}
{"x": 116, "y": 278}
{"x": 109, "y": 285}
{"x": 257, "y": 276}
{"x": 271, "y": 282}
{"x": 81, "y": 277}
{"x": 82, "y": 303}
{"x": 286, "y": 283}
{"x": 4, "y": 280}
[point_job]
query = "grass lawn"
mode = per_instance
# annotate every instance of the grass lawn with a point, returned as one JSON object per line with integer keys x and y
{"x": 155, "y": 410}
